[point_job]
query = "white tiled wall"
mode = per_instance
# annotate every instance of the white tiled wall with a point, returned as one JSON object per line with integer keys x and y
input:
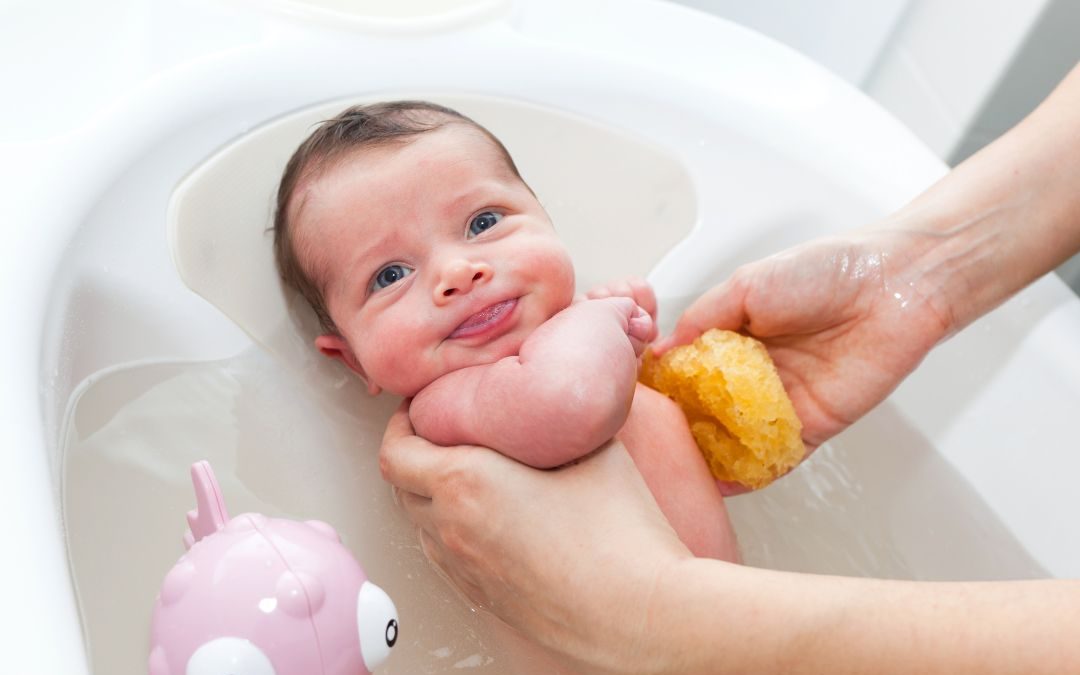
{"x": 962, "y": 72}
{"x": 1050, "y": 50}
{"x": 944, "y": 60}
{"x": 959, "y": 73}
{"x": 821, "y": 29}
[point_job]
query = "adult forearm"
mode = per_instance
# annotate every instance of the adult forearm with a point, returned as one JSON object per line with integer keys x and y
{"x": 1004, "y": 217}
{"x": 721, "y": 618}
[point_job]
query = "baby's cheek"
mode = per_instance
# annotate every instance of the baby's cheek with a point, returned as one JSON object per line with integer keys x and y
{"x": 406, "y": 377}
{"x": 389, "y": 343}
{"x": 395, "y": 366}
{"x": 555, "y": 270}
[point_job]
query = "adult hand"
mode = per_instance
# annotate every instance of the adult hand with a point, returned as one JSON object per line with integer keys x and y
{"x": 844, "y": 319}
{"x": 538, "y": 548}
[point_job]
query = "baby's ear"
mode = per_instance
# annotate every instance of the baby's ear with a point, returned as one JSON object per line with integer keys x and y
{"x": 337, "y": 348}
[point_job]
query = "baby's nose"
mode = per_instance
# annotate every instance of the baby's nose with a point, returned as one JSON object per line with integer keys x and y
{"x": 459, "y": 277}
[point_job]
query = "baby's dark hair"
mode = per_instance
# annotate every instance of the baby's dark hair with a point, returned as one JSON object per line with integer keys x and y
{"x": 361, "y": 126}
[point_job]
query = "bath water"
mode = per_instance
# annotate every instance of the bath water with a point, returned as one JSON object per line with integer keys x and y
{"x": 876, "y": 501}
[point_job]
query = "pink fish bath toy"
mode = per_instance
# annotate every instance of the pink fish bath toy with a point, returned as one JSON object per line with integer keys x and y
{"x": 266, "y": 596}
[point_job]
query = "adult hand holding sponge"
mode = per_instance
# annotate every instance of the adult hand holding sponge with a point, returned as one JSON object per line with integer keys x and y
{"x": 738, "y": 411}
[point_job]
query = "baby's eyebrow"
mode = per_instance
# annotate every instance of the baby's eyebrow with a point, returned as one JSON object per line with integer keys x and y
{"x": 457, "y": 203}
{"x": 470, "y": 195}
{"x": 362, "y": 264}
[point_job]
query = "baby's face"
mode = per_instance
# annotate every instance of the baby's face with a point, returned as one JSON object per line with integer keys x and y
{"x": 433, "y": 257}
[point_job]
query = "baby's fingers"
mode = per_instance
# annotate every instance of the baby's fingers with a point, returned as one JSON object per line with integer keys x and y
{"x": 635, "y": 288}
{"x": 642, "y": 326}
{"x": 641, "y": 329}
{"x": 643, "y": 294}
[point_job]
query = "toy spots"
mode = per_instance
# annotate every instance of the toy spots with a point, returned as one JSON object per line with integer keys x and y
{"x": 299, "y": 593}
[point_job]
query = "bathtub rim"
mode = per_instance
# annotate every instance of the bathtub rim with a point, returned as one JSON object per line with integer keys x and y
{"x": 26, "y": 284}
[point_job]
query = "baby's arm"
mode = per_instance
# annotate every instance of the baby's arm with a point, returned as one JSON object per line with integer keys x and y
{"x": 567, "y": 392}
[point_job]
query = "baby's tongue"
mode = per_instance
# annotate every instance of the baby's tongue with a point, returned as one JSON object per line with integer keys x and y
{"x": 481, "y": 318}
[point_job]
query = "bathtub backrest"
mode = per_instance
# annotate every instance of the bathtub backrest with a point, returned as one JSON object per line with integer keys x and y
{"x": 618, "y": 202}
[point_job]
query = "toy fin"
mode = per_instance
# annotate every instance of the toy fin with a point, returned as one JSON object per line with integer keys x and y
{"x": 209, "y": 515}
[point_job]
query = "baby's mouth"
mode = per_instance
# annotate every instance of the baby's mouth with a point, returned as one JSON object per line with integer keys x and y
{"x": 485, "y": 319}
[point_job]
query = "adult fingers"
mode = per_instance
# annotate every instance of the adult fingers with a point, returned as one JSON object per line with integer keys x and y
{"x": 436, "y": 555}
{"x": 422, "y": 512}
{"x": 399, "y": 424}
{"x": 452, "y": 574}
{"x": 731, "y": 488}
{"x": 431, "y": 549}
{"x": 418, "y": 509}
{"x": 406, "y": 460}
{"x": 622, "y": 287}
{"x": 722, "y": 306}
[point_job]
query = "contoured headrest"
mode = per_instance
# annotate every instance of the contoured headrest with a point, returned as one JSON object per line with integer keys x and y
{"x": 618, "y": 203}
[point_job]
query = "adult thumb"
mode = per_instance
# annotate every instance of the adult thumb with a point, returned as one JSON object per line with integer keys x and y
{"x": 722, "y": 306}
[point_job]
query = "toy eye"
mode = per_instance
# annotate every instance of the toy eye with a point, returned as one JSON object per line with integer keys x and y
{"x": 377, "y": 620}
{"x": 229, "y": 656}
{"x": 483, "y": 221}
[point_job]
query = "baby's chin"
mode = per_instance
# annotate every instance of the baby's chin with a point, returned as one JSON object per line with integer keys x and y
{"x": 465, "y": 355}
{"x": 455, "y": 357}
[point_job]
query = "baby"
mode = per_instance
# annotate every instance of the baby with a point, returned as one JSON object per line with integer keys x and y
{"x": 437, "y": 275}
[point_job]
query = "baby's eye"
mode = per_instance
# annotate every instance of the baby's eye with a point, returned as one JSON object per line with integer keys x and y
{"x": 389, "y": 275}
{"x": 483, "y": 221}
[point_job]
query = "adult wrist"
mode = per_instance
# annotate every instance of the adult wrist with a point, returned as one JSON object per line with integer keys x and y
{"x": 953, "y": 255}
{"x": 1004, "y": 217}
{"x": 709, "y": 617}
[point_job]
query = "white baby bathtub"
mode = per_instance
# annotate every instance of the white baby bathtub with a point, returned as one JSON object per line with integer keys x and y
{"x": 964, "y": 473}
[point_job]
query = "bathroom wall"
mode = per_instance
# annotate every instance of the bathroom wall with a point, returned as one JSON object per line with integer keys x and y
{"x": 960, "y": 76}
{"x": 819, "y": 29}
{"x": 958, "y": 73}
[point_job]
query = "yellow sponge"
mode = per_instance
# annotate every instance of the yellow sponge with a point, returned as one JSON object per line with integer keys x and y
{"x": 739, "y": 413}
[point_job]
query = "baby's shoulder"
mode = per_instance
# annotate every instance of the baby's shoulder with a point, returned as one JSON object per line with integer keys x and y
{"x": 651, "y": 402}
{"x": 654, "y": 411}
{"x": 654, "y": 422}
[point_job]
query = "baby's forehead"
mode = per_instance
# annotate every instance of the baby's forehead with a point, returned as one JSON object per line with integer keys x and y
{"x": 454, "y": 143}
{"x": 453, "y": 151}
{"x": 438, "y": 163}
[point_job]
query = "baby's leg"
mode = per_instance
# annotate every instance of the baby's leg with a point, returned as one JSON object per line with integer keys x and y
{"x": 657, "y": 437}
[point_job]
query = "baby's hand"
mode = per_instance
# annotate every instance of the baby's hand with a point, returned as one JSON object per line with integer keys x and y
{"x": 638, "y": 290}
{"x": 637, "y": 323}
{"x": 641, "y": 329}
